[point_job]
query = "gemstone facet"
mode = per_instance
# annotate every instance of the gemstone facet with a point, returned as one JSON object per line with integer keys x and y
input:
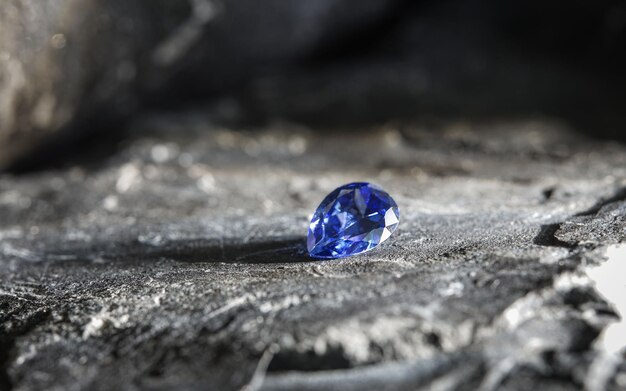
{"x": 352, "y": 219}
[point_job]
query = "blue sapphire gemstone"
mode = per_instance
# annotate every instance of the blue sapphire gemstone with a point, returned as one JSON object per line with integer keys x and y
{"x": 352, "y": 219}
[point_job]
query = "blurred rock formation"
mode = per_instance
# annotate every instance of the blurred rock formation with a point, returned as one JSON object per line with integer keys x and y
{"x": 71, "y": 68}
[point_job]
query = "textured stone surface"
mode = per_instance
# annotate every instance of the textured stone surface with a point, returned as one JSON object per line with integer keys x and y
{"x": 179, "y": 261}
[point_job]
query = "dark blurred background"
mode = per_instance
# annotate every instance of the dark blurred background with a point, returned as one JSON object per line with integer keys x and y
{"x": 73, "y": 73}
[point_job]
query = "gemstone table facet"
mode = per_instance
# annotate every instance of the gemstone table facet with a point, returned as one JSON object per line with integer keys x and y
{"x": 352, "y": 219}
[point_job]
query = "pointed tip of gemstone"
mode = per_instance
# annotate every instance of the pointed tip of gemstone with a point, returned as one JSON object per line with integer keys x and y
{"x": 352, "y": 219}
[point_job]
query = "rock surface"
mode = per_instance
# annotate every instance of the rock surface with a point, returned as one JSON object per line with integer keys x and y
{"x": 179, "y": 262}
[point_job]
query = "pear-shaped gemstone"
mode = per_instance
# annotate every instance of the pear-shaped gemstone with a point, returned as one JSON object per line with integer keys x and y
{"x": 352, "y": 219}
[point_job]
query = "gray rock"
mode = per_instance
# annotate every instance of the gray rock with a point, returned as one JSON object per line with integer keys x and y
{"x": 179, "y": 261}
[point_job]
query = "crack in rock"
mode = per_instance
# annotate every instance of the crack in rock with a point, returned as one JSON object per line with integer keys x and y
{"x": 547, "y": 234}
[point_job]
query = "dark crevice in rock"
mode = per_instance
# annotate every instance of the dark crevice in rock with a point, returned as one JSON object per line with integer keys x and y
{"x": 291, "y": 360}
{"x": 332, "y": 358}
{"x": 546, "y": 237}
{"x": 548, "y": 193}
{"x": 580, "y": 297}
{"x": 547, "y": 233}
{"x": 434, "y": 339}
{"x": 583, "y": 335}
